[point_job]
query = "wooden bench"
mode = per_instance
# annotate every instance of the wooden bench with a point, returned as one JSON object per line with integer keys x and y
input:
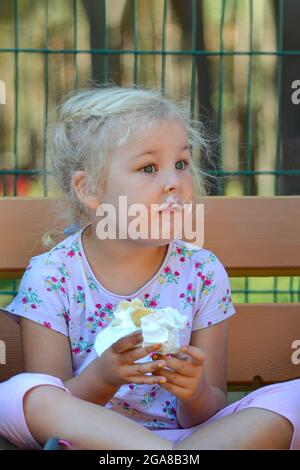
{"x": 252, "y": 236}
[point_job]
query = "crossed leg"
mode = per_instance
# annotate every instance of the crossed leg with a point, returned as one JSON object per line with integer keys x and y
{"x": 50, "y": 411}
{"x": 252, "y": 429}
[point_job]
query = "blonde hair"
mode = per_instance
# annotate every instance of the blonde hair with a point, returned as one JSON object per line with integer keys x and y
{"x": 92, "y": 122}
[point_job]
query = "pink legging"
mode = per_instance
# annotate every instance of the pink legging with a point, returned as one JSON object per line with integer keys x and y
{"x": 282, "y": 398}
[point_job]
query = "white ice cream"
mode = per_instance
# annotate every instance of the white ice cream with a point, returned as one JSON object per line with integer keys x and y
{"x": 160, "y": 325}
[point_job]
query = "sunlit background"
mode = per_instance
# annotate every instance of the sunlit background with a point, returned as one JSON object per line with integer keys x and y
{"x": 233, "y": 60}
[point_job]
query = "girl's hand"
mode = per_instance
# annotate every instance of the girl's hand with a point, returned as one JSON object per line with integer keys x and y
{"x": 186, "y": 379}
{"x": 116, "y": 365}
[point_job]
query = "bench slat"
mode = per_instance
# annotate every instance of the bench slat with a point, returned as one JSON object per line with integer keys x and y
{"x": 255, "y": 236}
{"x": 12, "y": 352}
{"x": 260, "y": 344}
{"x": 251, "y": 235}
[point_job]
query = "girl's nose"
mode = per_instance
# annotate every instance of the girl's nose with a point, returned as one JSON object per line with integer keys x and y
{"x": 171, "y": 184}
{"x": 169, "y": 189}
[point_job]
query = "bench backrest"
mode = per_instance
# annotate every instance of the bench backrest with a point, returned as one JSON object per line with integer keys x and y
{"x": 252, "y": 236}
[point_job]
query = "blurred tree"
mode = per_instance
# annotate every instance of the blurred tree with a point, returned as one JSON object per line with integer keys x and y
{"x": 190, "y": 16}
{"x": 146, "y": 33}
{"x": 104, "y": 68}
{"x": 13, "y": 131}
{"x": 289, "y": 116}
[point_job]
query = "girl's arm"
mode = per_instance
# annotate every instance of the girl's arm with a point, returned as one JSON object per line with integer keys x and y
{"x": 46, "y": 351}
{"x": 213, "y": 342}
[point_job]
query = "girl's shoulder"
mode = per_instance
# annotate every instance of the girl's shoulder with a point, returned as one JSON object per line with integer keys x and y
{"x": 64, "y": 253}
{"x": 184, "y": 251}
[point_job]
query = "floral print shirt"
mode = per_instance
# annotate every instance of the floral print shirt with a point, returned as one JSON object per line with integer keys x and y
{"x": 60, "y": 291}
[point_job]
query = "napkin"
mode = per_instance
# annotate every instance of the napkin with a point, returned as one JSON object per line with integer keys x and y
{"x": 161, "y": 325}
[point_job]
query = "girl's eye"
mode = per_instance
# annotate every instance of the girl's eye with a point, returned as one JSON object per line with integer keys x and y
{"x": 179, "y": 166}
{"x": 147, "y": 168}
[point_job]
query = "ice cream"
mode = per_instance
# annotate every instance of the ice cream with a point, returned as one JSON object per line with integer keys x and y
{"x": 160, "y": 325}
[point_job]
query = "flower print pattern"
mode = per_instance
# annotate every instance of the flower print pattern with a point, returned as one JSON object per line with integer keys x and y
{"x": 168, "y": 276}
{"x": 79, "y": 296}
{"x": 184, "y": 253}
{"x": 155, "y": 424}
{"x": 54, "y": 283}
{"x": 82, "y": 346}
{"x": 63, "y": 271}
{"x": 30, "y": 299}
{"x": 125, "y": 407}
{"x": 207, "y": 285}
{"x": 151, "y": 302}
{"x": 149, "y": 397}
{"x": 73, "y": 249}
{"x": 59, "y": 246}
{"x": 201, "y": 265}
{"x": 188, "y": 297}
{"x": 65, "y": 313}
{"x": 225, "y": 302}
{"x": 92, "y": 283}
{"x": 216, "y": 295}
{"x": 169, "y": 409}
{"x": 133, "y": 387}
{"x": 100, "y": 318}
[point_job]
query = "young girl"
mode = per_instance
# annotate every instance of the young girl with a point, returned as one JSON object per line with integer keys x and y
{"x": 110, "y": 142}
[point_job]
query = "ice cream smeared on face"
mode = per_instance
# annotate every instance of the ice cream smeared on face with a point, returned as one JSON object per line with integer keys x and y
{"x": 171, "y": 202}
{"x": 160, "y": 325}
{"x": 175, "y": 204}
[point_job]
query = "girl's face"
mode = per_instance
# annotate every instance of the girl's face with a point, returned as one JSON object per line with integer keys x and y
{"x": 151, "y": 166}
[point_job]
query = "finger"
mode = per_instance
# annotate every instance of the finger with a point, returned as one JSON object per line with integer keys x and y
{"x": 187, "y": 353}
{"x": 197, "y": 355}
{"x": 185, "y": 368}
{"x": 146, "y": 367}
{"x": 174, "y": 389}
{"x": 179, "y": 355}
{"x": 182, "y": 356}
{"x": 127, "y": 342}
{"x": 173, "y": 377}
{"x": 138, "y": 353}
{"x": 147, "y": 379}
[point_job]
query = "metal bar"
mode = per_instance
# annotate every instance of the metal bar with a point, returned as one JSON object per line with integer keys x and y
{"x": 220, "y": 100}
{"x": 148, "y": 52}
{"x": 163, "y": 46}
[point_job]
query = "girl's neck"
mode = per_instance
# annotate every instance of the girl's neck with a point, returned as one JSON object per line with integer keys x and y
{"x": 139, "y": 263}
{"x": 119, "y": 251}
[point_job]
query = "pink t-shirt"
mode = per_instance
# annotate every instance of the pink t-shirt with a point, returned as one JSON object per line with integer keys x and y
{"x": 60, "y": 291}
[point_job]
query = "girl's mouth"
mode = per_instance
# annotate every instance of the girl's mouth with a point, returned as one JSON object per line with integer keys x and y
{"x": 167, "y": 207}
{"x": 171, "y": 204}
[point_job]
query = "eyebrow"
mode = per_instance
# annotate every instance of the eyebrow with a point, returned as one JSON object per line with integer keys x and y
{"x": 155, "y": 152}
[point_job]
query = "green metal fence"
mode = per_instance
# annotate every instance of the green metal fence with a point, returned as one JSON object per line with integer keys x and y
{"x": 235, "y": 60}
